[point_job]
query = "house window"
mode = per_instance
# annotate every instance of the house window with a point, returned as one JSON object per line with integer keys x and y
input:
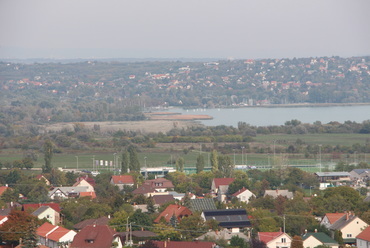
{"x": 349, "y": 235}
{"x": 283, "y": 240}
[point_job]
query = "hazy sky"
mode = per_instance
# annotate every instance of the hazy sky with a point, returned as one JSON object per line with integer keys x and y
{"x": 191, "y": 28}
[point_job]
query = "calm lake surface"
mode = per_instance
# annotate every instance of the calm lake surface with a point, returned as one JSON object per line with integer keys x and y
{"x": 265, "y": 116}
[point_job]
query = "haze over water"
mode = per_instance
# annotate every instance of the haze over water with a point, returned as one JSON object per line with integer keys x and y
{"x": 265, "y": 116}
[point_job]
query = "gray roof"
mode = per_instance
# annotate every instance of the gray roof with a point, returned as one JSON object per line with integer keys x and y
{"x": 202, "y": 204}
{"x": 228, "y": 218}
{"x": 223, "y": 234}
{"x": 342, "y": 222}
{"x": 360, "y": 171}
{"x": 333, "y": 174}
{"x": 40, "y": 210}
{"x": 276, "y": 192}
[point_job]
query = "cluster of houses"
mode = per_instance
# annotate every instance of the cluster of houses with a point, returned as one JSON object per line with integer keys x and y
{"x": 232, "y": 222}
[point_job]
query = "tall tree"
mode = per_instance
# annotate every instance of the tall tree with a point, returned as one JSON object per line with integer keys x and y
{"x": 225, "y": 166}
{"x": 125, "y": 164}
{"x": 200, "y": 163}
{"x": 30, "y": 239}
{"x": 48, "y": 155}
{"x": 214, "y": 161}
{"x": 297, "y": 242}
{"x": 134, "y": 160}
{"x": 180, "y": 162}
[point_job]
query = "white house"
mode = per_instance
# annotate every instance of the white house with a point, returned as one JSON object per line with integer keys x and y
{"x": 312, "y": 240}
{"x": 363, "y": 239}
{"x": 53, "y": 236}
{"x": 275, "y": 239}
{"x": 48, "y": 213}
{"x": 244, "y": 195}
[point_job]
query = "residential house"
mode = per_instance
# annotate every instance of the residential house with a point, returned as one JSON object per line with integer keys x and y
{"x": 275, "y": 239}
{"x": 363, "y": 239}
{"x": 279, "y": 192}
{"x": 159, "y": 186}
{"x": 3, "y": 219}
{"x": 48, "y": 213}
{"x": 232, "y": 219}
{"x": 243, "y": 195}
{"x": 223, "y": 234}
{"x": 52, "y": 236}
{"x": 221, "y": 184}
{"x": 184, "y": 244}
{"x": 89, "y": 222}
{"x": 314, "y": 239}
{"x": 173, "y": 210}
{"x": 138, "y": 237}
{"x": 88, "y": 179}
{"x": 159, "y": 200}
{"x": 201, "y": 204}
{"x": 330, "y": 218}
{"x": 96, "y": 236}
{"x": 41, "y": 177}
{"x": 328, "y": 179}
{"x": 122, "y": 180}
{"x": 83, "y": 182}
{"x": 67, "y": 192}
{"x": 360, "y": 174}
{"x": 54, "y": 214}
{"x": 350, "y": 226}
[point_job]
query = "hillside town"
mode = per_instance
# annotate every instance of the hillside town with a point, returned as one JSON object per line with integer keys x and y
{"x": 322, "y": 209}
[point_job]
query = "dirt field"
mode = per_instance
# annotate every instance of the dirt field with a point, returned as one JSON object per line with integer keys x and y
{"x": 142, "y": 126}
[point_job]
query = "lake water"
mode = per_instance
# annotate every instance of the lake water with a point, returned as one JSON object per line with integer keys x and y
{"x": 264, "y": 116}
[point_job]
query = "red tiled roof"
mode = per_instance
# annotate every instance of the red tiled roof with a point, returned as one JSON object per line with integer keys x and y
{"x": 87, "y": 179}
{"x": 223, "y": 181}
{"x": 160, "y": 183}
{"x": 123, "y": 179}
{"x": 3, "y": 189}
{"x": 239, "y": 191}
{"x": 35, "y": 206}
{"x": 89, "y": 194}
{"x": 45, "y": 229}
{"x": 184, "y": 244}
{"x": 333, "y": 217}
{"x": 177, "y": 210}
{"x": 58, "y": 233}
{"x": 101, "y": 236}
{"x": 365, "y": 234}
{"x": 266, "y": 237}
{"x": 144, "y": 189}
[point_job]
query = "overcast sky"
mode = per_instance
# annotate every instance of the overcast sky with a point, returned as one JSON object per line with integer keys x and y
{"x": 191, "y": 28}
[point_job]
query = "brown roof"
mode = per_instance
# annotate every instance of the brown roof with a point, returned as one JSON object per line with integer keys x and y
{"x": 35, "y": 206}
{"x": 173, "y": 209}
{"x": 123, "y": 179}
{"x": 89, "y": 222}
{"x": 45, "y": 229}
{"x": 89, "y": 194}
{"x": 95, "y": 236}
{"x": 223, "y": 181}
{"x": 160, "y": 183}
{"x": 162, "y": 199}
{"x": 144, "y": 189}
{"x": 184, "y": 244}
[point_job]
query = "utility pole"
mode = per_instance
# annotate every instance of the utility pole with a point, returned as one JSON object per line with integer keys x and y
{"x": 126, "y": 241}
{"x": 284, "y": 222}
{"x": 320, "y": 155}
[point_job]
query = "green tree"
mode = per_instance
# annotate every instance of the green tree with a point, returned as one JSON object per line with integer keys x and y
{"x": 214, "y": 161}
{"x": 48, "y": 155}
{"x": 150, "y": 205}
{"x": 225, "y": 166}
{"x": 142, "y": 220}
{"x": 236, "y": 241}
{"x": 134, "y": 160}
{"x": 338, "y": 236}
{"x": 166, "y": 232}
{"x": 119, "y": 221}
{"x": 192, "y": 226}
{"x": 180, "y": 162}
{"x": 27, "y": 163}
{"x": 30, "y": 239}
{"x": 125, "y": 164}
{"x": 200, "y": 163}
